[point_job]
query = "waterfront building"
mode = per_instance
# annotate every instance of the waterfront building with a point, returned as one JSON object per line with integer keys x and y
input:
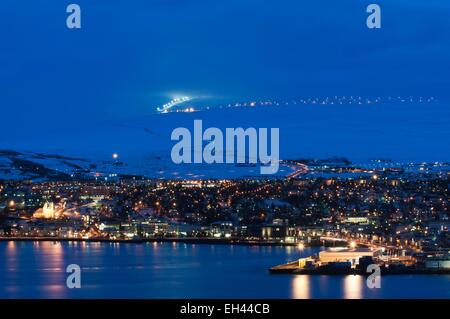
{"x": 438, "y": 262}
{"x": 222, "y": 229}
{"x": 347, "y": 255}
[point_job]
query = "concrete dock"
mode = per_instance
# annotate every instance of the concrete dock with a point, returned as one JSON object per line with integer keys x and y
{"x": 294, "y": 269}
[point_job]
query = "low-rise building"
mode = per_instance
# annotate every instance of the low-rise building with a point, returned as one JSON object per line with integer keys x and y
{"x": 347, "y": 255}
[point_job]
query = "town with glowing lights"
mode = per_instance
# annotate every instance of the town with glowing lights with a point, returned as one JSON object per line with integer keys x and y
{"x": 262, "y": 152}
{"x": 396, "y": 214}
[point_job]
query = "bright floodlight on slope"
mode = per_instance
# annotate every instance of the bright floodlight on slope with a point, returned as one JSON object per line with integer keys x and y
{"x": 166, "y": 107}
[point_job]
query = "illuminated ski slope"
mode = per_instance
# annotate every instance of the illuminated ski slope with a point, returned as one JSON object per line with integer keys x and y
{"x": 166, "y": 107}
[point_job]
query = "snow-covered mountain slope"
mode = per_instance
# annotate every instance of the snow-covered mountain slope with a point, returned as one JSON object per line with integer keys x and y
{"x": 39, "y": 166}
{"x": 358, "y": 132}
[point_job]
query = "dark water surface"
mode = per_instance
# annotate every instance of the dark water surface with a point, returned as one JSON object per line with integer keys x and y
{"x": 166, "y": 270}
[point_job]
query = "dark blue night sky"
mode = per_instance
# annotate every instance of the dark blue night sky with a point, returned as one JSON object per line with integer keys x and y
{"x": 131, "y": 56}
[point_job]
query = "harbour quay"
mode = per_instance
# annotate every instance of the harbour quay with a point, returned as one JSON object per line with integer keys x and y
{"x": 348, "y": 261}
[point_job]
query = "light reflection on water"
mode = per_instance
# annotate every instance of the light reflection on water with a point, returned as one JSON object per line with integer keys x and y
{"x": 169, "y": 270}
{"x": 353, "y": 286}
{"x": 300, "y": 287}
{"x": 304, "y": 286}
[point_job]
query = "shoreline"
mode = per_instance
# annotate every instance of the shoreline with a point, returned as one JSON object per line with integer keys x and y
{"x": 206, "y": 241}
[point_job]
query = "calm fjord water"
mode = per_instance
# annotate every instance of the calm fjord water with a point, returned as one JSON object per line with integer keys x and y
{"x": 166, "y": 270}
